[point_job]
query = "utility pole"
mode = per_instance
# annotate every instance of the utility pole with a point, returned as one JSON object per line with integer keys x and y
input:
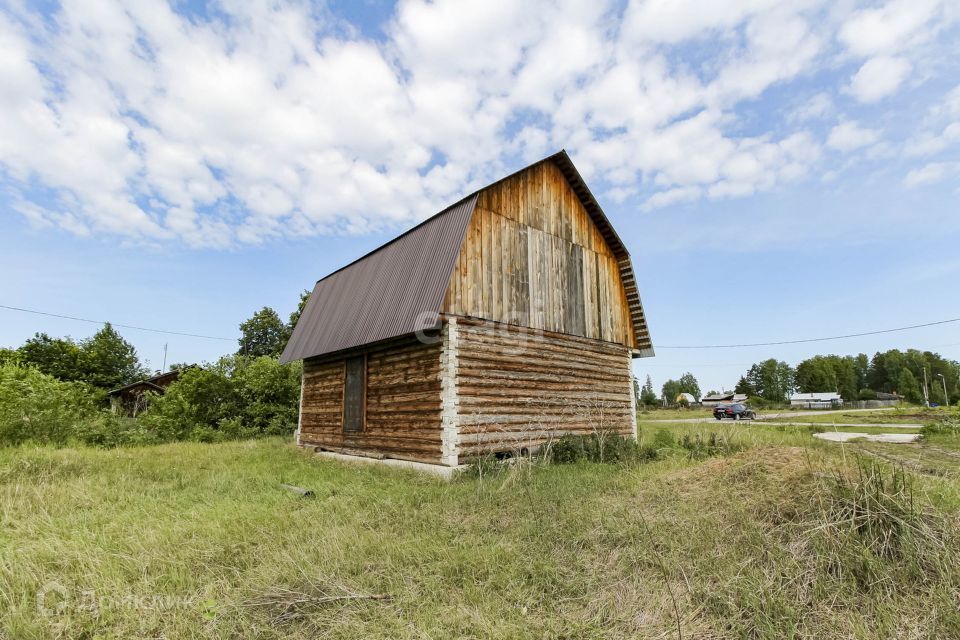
{"x": 164, "y": 370}
{"x": 946, "y": 398}
{"x": 926, "y": 388}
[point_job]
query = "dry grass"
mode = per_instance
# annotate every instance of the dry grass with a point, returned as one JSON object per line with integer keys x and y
{"x": 194, "y": 540}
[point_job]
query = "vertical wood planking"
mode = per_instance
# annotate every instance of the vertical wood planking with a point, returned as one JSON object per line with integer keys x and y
{"x": 533, "y": 257}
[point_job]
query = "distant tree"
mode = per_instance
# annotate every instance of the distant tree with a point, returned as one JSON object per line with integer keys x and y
{"x": 909, "y": 387}
{"x": 61, "y": 358}
{"x": 772, "y": 380}
{"x": 648, "y": 397}
{"x": 862, "y": 365}
{"x": 263, "y": 335}
{"x": 886, "y": 372}
{"x": 745, "y": 387}
{"x": 110, "y": 361}
{"x": 295, "y": 315}
{"x": 815, "y": 375}
{"x": 670, "y": 390}
{"x": 180, "y": 366}
{"x": 688, "y": 384}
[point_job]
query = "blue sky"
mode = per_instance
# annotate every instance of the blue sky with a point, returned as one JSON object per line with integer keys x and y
{"x": 778, "y": 170}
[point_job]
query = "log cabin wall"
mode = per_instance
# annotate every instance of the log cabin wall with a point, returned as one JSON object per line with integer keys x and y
{"x": 403, "y": 409}
{"x": 533, "y": 257}
{"x": 518, "y": 388}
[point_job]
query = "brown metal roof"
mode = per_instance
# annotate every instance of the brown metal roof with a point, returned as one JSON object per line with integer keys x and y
{"x": 157, "y": 382}
{"x": 396, "y": 288}
{"x": 393, "y": 290}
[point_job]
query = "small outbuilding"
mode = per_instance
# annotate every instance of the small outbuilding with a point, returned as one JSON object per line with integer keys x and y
{"x": 131, "y": 399}
{"x": 825, "y": 400}
{"x": 506, "y": 320}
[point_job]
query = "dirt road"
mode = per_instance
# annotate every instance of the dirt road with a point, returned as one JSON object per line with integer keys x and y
{"x": 786, "y": 414}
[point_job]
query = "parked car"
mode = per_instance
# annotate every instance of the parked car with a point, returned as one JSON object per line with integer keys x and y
{"x": 734, "y": 412}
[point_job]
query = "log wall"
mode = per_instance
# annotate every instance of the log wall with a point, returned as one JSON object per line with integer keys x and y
{"x": 533, "y": 257}
{"x": 518, "y": 388}
{"x": 403, "y": 410}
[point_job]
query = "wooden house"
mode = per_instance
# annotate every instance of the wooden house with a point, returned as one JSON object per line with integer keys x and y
{"x": 132, "y": 399}
{"x": 502, "y": 322}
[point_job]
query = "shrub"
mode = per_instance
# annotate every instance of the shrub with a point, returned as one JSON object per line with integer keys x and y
{"x": 39, "y": 408}
{"x": 238, "y": 397}
{"x": 713, "y": 445}
{"x": 606, "y": 448}
{"x": 946, "y": 426}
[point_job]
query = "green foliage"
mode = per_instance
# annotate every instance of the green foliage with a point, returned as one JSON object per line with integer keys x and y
{"x": 771, "y": 379}
{"x": 867, "y": 394}
{"x": 831, "y": 373}
{"x": 109, "y": 361}
{"x": 295, "y": 315}
{"x": 664, "y": 439}
{"x": 886, "y": 373}
{"x": 909, "y": 387}
{"x": 104, "y": 360}
{"x": 870, "y": 517}
{"x": 604, "y": 448}
{"x": 689, "y": 384}
{"x": 648, "y": 397}
{"x": 700, "y": 447}
{"x": 237, "y": 397}
{"x": 756, "y": 402}
{"x": 745, "y": 387}
{"x": 686, "y": 384}
{"x": 57, "y": 357}
{"x": 35, "y": 407}
{"x": 947, "y": 426}
{"x": 269, "y": 395}
{"x": 264, "y": 334}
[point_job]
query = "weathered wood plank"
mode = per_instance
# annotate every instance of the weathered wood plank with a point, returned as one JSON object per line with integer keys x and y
{"x": 520, "y": 258}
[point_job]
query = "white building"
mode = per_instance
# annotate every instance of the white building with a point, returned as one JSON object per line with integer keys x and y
{"x": 826, "y": 400}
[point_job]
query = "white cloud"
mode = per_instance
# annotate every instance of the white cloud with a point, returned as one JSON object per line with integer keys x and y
{"x": 849, "y": 136}
{"x": 878, "y": 78}
{"x": 889, "y": 28}
{"x": 930, "y": 174}
{"x": 930, "y": 144}
{"x": 276, "y": 120}
{"x": 814, "y": 108}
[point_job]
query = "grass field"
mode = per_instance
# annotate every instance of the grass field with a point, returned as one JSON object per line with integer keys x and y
{"x": 188, "y": 540}
{"x": 912, "y": 415}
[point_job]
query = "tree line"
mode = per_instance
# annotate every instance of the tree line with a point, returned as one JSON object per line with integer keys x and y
{"x": 55, "y": 389}
{"x": 914, "y": 374}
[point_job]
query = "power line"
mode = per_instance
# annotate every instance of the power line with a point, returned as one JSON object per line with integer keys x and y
{"x": 115, "y": 324}
{"x": 781, "y": 342}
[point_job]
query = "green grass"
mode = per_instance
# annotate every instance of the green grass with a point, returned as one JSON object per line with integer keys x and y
{"x": 894, "y": 416}
{"x": 741, "y": 546}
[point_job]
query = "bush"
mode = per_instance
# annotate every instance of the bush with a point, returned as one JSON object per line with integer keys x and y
{"x": 947, "y": 426}
{"x": 713, "y": 445}
{"x": 867, "y": 394}
{"x": 756, "y": 402}
{"x": 238, "y": 397}
{"x": 39, "y": 408}
{"x": 608, "y": 448}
